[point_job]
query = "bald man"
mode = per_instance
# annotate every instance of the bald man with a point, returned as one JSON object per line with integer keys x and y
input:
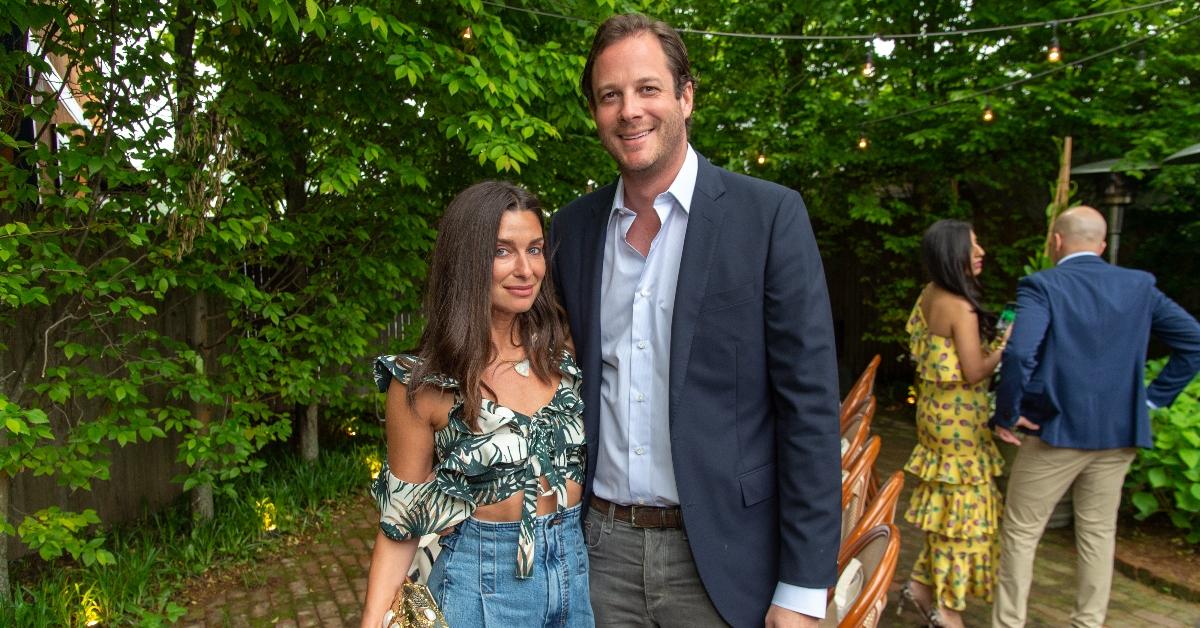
{"x": 1071, "y": 380}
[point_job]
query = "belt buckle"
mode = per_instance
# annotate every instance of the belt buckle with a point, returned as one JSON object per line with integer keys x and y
{"x": 633, "y": 516}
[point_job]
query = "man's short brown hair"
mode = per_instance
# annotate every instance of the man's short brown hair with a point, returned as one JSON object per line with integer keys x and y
{"x": 618, "y": 27}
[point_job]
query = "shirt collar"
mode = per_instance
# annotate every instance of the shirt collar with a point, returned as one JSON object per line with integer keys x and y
{"x": 1074, "y": 255}
{"x": 681, "y": 189}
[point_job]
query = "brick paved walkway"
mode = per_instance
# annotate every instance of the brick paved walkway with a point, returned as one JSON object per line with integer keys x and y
{"x": 324, "y": 583}
{"x": 319, "y": 584}
{"x": 1052, "y": 595}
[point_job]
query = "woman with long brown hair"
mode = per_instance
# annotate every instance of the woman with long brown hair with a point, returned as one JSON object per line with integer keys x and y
{"x": 485, "y": 430}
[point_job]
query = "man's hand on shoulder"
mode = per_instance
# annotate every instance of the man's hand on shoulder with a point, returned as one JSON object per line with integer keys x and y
{"x": 780, "y": 617}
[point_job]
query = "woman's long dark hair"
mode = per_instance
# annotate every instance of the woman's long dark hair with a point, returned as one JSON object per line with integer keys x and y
{"x": 946, "y": 251}
{"x": 457, "y": 340}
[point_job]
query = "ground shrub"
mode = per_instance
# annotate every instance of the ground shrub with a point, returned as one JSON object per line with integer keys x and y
{"x": 1165, "y": 480}
{"x": 157, "y": 554}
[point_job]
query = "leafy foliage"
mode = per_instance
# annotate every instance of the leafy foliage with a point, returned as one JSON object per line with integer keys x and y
{"x": 803, "y": 104}
{"x": 247, "y": 207}
{"x": 1166, "y": 479}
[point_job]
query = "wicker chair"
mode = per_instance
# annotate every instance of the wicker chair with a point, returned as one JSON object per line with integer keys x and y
{"x": 854, "y": 486}
{"x": 866, "y": 566}
{"x": 863, "y": 387}
{"x": 857, "y": 433}
{"x": 881, "y": 508}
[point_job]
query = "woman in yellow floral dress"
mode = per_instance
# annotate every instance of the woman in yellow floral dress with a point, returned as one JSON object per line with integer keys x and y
{"x": 954, "y": 343}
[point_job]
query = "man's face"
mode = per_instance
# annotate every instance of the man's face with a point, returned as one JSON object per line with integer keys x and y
{"x": 640, "y": 121}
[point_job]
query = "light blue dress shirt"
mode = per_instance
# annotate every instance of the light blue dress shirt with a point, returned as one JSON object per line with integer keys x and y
{"x": 637, "y": 302}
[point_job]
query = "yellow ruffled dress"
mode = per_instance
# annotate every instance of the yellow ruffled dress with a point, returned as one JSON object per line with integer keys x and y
{"x": 956, "y": 502}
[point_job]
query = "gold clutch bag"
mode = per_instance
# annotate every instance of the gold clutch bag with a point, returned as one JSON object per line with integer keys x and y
{"x": 414, "y": 607}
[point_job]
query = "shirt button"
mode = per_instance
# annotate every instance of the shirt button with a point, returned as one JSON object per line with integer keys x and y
{"x": 639, "y": 451}
{"x": 641, "y": 344}
{"x": 641, "y": 397}
{"x": 641, "y": 502}
{"x": 644, "y": 292}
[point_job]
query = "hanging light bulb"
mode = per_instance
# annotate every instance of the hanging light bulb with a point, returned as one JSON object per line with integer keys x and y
{"x": 988, "y": 114}
{"x": 762, "y": 159}
{"x": 468, "y": 33}
{"x": 1054, "y": 54}
{"x": 868, "y": 69}
{"x": 863, "y": 142}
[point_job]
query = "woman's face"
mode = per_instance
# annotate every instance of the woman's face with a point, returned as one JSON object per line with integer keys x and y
{"x": 518, "y": 264}
{"x": 976, "y": 256}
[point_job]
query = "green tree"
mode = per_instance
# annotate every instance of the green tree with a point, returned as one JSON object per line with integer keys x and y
{"x": 268, "y": 177}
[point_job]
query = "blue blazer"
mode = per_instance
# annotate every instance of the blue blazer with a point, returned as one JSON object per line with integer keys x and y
{"x": 753, "y": 383}
{"x": 1075, "y": 362}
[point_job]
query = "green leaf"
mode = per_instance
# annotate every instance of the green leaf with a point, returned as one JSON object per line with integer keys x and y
{"x": 1145, "y": 503}
{"x": 59, "y": 392}
{"x": 1157, "y": 477}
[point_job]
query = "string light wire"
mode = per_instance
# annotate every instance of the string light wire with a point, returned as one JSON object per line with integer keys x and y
{"x": 1058, "y": 68}
{"x": 864, "y": 37}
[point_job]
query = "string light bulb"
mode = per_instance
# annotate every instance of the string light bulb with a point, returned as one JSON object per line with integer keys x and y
{"x": 762, "y": 159}
{"x": 1054, "y": 54}
{"x": 988, "y": 114}
{"x": 863, "y": 142}
{"x": 468, "y": 33}
{"x": 868, "y": 68}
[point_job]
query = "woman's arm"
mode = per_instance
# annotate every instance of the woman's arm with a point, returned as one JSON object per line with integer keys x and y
{"x": 964, "y": 327}
{"x": 390, "y": 562}
{"x": 410, "y": 458}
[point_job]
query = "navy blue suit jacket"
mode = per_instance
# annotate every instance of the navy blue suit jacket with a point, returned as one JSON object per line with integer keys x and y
{"x": 753, "y": 383}
{"x": 1075, "y": 362}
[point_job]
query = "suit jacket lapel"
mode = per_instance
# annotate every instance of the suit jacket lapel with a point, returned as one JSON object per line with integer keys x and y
{"x": 592, "y": 269}
{"x": 699, "y": 244}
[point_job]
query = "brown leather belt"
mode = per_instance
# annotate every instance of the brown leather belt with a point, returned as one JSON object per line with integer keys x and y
{"x": 641, "y": 516}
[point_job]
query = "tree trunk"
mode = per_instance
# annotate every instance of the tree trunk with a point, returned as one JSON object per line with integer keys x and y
{"x": 202, "y": 495}
{"x": 5, "y": 485}
{"x": 309, "y": 447}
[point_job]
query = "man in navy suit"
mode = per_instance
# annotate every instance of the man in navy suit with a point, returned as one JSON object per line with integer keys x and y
{"x": 1071, "y": 378}
{"x": 698, "y": 305}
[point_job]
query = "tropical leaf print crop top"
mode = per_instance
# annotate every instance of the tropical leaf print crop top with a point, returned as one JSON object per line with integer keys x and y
{"x": 508, "y": 454}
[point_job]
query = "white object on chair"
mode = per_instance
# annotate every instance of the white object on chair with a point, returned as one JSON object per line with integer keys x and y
{"x": 849, "y": 586}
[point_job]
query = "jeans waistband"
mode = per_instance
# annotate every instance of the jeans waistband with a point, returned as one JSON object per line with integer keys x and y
{"x": 548, "y": 520}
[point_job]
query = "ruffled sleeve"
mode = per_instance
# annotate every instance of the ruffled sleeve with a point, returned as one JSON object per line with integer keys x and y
{"x": 410, "y": 511}
{"x": 400, "y": 367}
{"x": 935, "y": 357}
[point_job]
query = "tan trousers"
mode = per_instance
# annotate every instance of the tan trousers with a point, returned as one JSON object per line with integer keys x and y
{"x": 1040, "y": 476}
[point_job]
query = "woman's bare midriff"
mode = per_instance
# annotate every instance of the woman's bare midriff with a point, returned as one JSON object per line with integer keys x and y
{"x": 510, "y": 509}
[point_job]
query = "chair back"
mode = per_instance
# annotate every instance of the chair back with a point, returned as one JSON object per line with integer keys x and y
{"x": 863, "y": 387}
{"x": 854, "y": 486}
{"x": 851, "y": 405}
{"x": 866, "y": 566}
{"x": 881, "y": 508}
{"x": 857, "y": 433}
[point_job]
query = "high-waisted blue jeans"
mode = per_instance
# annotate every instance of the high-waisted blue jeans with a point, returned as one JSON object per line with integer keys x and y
{"x": 474, "y": 579}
